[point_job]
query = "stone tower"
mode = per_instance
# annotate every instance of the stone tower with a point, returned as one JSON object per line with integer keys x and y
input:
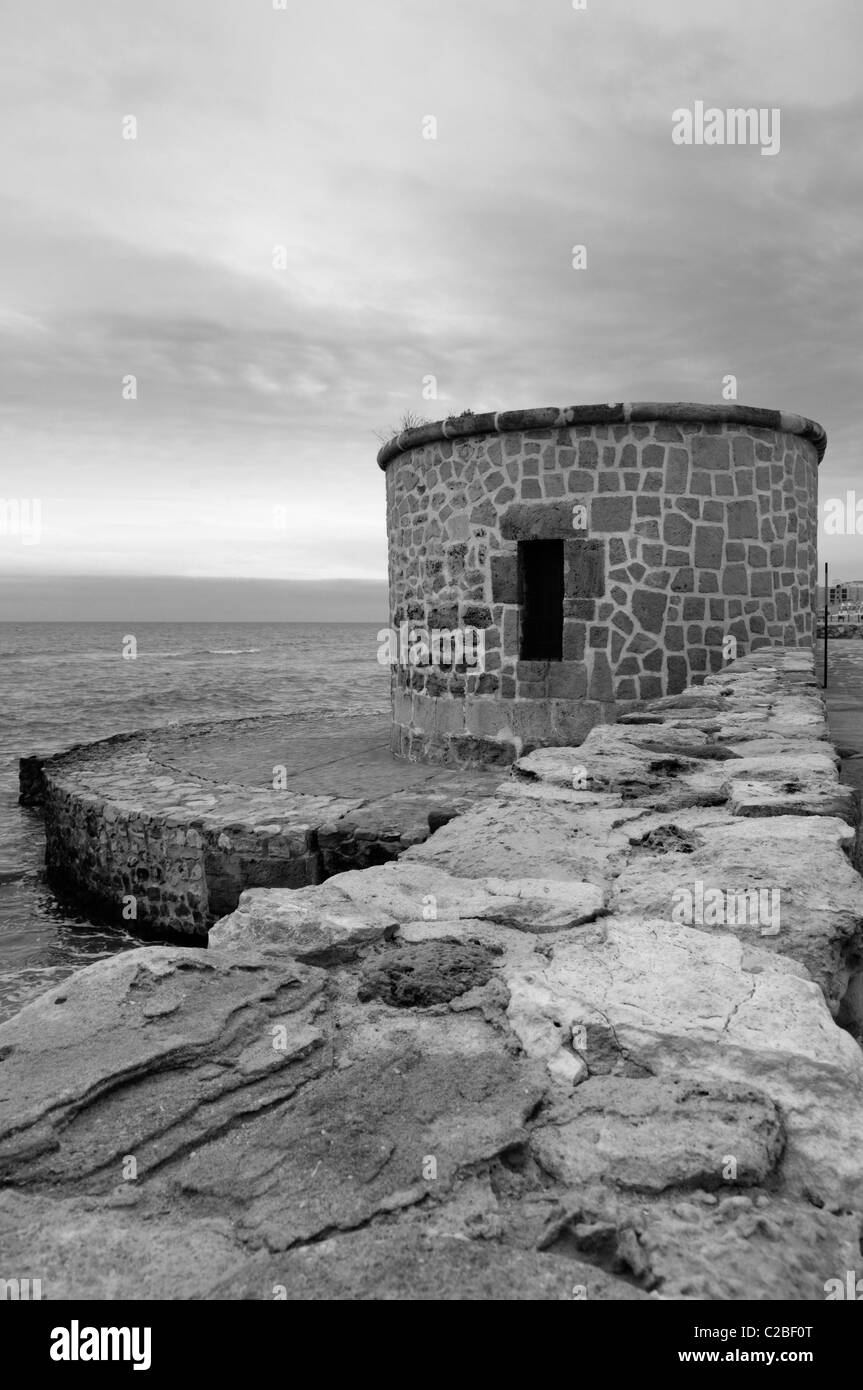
{"x": 605, "y": 553}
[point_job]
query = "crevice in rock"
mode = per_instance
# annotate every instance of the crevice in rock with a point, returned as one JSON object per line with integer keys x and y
{"x": 670, "y": 839}
{"x": 613, "y": 1249}
{"x": 850, "y": 1012}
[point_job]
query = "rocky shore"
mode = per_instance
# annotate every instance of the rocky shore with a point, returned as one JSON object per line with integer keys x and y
{"x": 582, "y": 1042}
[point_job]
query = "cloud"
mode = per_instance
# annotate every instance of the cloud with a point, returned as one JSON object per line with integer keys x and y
{"x": 261, "y": 387}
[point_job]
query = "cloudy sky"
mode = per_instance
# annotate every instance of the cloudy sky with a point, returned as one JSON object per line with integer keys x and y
{"x": 260, "y": 386}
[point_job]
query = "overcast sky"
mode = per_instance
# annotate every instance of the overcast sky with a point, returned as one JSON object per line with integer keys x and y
{"x": 262, "y": 387}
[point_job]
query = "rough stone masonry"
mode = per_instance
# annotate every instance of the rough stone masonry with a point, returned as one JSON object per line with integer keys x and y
{"x": 673, "y": 527}
{"x": 496, "y": 1068}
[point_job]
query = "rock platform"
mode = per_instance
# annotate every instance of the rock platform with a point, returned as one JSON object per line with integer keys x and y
{"x": 537, "y": 1057}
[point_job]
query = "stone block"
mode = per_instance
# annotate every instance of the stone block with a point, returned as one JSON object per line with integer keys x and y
{"x": 475, "y": 615}
{"x": 761, "y": 583}
{"x": 567, "y": 680}
{"x": 537, "y": 522}
{"x": 653, "y": 456}
{"x": 504, "y": 578}
{"x": 588, "y": 454}
{"x": 683, "y": 581}
{"x": 742, "y": 520}
{"x": 710, "y": 451}
{"x": 743, "y": 450}
{"x": 648, "y": 609}
{"x": 677, "y": 674}
{"x": 676, "y": 529}
{"x": 584, "y": 569}
{"x": 601, "y": 680}
{"x": 574, "y": 638}
{"x": 735, "y": 580}
{"x": 579, "y": 481}
{"x": 510, "y": 631}
{"x": 609, "y": 513}
{"x": 709, "y": 541}
{"x": 676, "y": 471}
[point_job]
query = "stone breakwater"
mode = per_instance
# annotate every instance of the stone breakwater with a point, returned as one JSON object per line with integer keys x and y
{"x": 164, "y": 829}
{"x": 496, "y": 1068}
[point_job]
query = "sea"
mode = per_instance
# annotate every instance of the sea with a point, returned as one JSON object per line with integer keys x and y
{"x": 66, "y": 683}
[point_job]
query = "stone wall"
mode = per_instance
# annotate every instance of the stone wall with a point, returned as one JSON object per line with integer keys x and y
{"x": 699, "y": 523}
{"x": 175, "y": 871}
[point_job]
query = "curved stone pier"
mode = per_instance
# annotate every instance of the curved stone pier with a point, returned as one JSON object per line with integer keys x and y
{"x": 163, "y": 829}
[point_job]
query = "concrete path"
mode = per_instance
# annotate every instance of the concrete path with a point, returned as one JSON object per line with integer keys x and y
{"x": 845, "y": 704}
{"x": 324, "y": 757}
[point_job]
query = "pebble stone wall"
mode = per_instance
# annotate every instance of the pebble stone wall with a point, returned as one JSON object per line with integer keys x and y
{"x": 699, "y": 522}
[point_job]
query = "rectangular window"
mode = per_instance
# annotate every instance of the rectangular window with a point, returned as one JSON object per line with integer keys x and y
{"x": 540, "y": 578}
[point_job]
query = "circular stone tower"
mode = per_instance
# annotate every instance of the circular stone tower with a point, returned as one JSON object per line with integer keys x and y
{"x": 586, "y": 558}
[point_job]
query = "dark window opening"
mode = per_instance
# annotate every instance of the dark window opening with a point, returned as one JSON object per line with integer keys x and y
{"x": 540, "y": 577}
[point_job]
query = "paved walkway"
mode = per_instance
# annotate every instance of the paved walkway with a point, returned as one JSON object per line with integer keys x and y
{"x": 845, "y": 704}
{"x": 324, "y": 757}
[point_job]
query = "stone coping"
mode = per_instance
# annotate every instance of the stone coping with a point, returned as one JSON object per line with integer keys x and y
{"x": 609, "y": 413}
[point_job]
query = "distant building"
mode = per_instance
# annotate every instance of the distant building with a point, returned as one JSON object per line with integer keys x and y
{"x": 845, "y": 595}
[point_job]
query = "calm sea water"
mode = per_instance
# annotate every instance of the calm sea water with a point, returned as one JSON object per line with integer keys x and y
{"x": 65, "y": 683}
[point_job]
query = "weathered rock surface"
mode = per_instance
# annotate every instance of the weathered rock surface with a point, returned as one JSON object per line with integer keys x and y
{"x": 653, "y": 1135}
{"x": 319, "y": 925}
{"x": 685, "y": 1004}
{"x": 360, "y": 906}
{"x": 517, "y": 838}
{"x": 405, "y": 1263}
{"x": 145, "y": 1053}
{"x": 430, "y": 972}
{"x": 553, "y": 1052}
{"x": 809, "y": 898}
